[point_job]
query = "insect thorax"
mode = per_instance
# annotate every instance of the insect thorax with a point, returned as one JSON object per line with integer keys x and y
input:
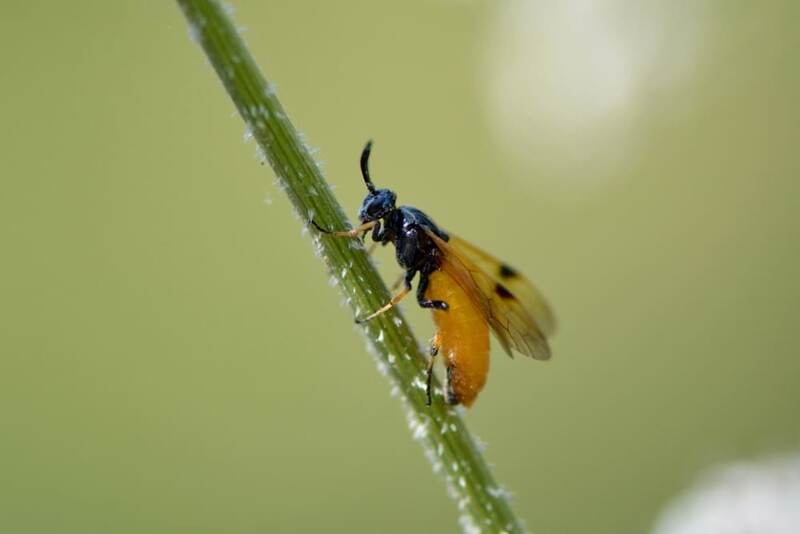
{"x": 414, "y": 248}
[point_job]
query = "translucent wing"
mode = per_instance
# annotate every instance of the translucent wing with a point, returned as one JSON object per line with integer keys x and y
{"x": 511, "y": 322}
{"x": 526, "y": 293}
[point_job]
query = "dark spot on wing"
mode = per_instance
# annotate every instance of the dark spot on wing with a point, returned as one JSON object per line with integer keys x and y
{"x": 504, "y": 293}
{"x": 507, "y": 272}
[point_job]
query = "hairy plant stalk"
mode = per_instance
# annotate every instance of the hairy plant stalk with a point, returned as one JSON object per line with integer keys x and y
{"x": 453, "y": 453}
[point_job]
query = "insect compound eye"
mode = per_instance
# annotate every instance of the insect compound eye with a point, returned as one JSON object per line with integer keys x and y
{"x": 370, "y": 210}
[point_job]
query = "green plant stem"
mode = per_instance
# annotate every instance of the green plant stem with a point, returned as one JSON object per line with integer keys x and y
{"x": 448, "y": 445}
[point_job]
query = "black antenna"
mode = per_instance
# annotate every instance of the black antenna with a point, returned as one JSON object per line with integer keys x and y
{"x": 365, "y": 168}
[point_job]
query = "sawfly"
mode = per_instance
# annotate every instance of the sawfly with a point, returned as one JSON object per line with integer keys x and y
{"x": 468, "y": 291}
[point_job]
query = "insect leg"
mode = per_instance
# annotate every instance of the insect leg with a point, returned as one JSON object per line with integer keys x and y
{"x": 394, "y": 300}
{"x": 429, "y": 377}
{"x": 423, "y": 302}
{"x": 451, "y": 395}
{"x": 355, "y": 232}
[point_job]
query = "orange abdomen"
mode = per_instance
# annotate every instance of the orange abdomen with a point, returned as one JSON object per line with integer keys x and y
{"x": 462, "y": 337}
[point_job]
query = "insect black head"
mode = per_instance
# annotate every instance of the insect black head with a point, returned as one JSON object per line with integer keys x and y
{"x": 378, "y": 202}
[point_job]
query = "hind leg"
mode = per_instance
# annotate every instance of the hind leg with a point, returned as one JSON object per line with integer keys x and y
{"x": 435, "y": 345}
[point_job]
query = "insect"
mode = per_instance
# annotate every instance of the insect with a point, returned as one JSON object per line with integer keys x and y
{"x": 468, "y": 291}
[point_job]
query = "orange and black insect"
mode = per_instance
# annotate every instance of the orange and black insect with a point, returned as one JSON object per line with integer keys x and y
{"x": 468, "y": 291}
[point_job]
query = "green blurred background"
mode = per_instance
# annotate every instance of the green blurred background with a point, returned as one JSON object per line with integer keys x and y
{"x": 174, "y": 360}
